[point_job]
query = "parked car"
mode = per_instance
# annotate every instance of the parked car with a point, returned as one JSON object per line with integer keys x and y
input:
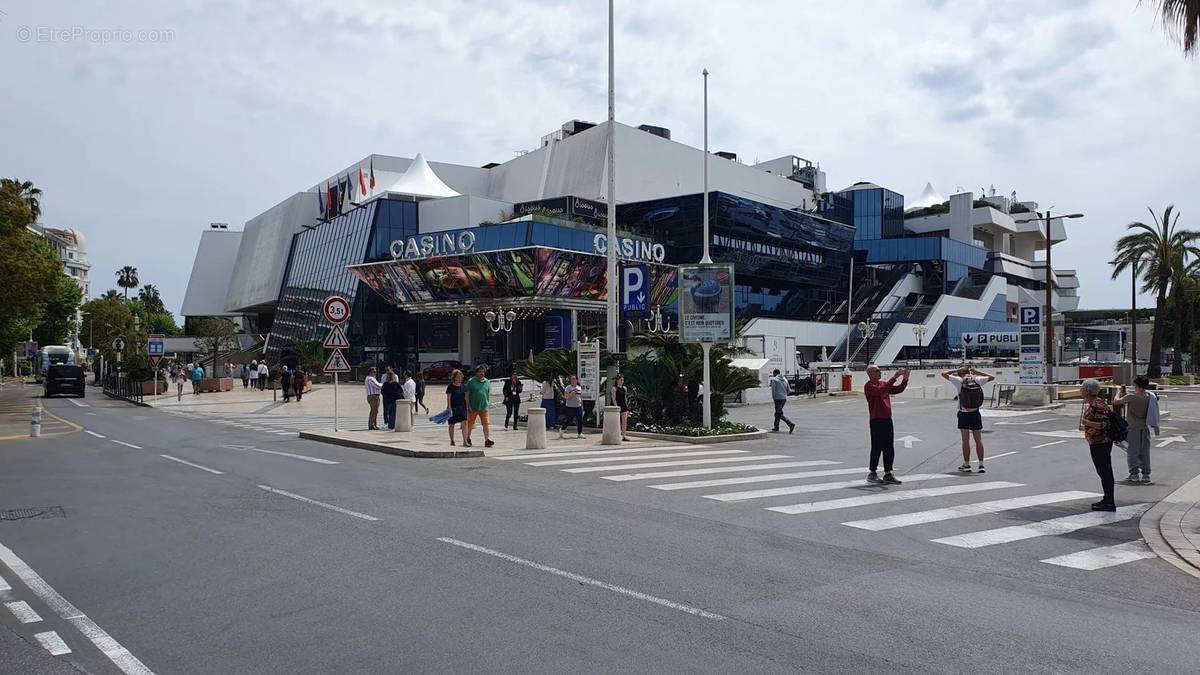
{"x": 64, "y": 379}
{"x": 440, "y": 370}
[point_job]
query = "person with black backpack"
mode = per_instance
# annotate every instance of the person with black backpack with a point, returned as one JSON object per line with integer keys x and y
{"x": 968, "y": 383}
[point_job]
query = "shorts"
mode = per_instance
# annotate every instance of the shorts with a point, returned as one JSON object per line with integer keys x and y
{"x": 457, "y": 415}
{"x": 970, "y": 420}
{"x": 481, "y": 415}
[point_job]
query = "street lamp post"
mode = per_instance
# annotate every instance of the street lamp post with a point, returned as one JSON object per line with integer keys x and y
{"x": 867, "y": 331}
{"x": 502, "y": 323}
{"x": 1096, "y": 348}
{"x": 920, "y": 330}
{"x": 1049, "y": 309}
{"x": 613, "y": 324}
{"x": 706, "y": 347}
{"x": 1132, "y": 314}
{"x": 1078, "y": 349}
{"x": 1059, "y": 343}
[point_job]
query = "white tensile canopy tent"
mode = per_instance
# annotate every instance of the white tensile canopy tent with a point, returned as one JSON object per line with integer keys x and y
{"x": 420, "y": 181}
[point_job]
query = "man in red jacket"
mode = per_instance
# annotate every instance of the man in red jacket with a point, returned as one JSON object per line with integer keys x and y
{"x": 879, "y": 405}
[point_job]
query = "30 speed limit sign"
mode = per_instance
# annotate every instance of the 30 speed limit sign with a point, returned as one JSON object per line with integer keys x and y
{"x": 336, "y": 309}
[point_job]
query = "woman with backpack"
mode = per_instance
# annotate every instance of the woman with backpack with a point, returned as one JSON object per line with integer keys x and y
{"x": 1094, "y": 423}
{"x": 968, "y": 383}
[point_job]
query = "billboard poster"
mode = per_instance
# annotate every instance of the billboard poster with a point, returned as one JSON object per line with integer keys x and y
{"x": 706, "y": 303}
{"x": 588, "y": 356}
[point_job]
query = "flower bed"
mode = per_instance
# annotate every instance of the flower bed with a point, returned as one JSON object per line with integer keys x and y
{"x": 719, "y": 429}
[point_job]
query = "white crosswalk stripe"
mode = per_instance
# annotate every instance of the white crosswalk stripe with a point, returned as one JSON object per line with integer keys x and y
{"x": 588, "y": 453}
{"x": 813, "y": 487}
{"x": 635, "y": 458}
{"x": 1104, "y": 556}
{"x": 742, "y": 480}
{"x": 719, "y": 469}
{"x": 965, "y": 510}
{"x": 1054, "y": 526}
{"x": 851, "y": 502}
{"x": 674, "y": 462}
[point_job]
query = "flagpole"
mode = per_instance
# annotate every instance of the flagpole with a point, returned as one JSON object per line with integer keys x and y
{"x": 613, "y": 316}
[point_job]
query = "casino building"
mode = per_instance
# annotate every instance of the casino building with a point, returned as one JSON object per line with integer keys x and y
{"x": 425, "y": 251}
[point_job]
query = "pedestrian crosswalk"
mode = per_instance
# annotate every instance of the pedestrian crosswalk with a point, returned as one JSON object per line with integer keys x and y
{"x": 939, "y": 500}
{"x": 284, "y": 425}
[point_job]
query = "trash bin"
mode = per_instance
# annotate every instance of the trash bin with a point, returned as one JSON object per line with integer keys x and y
{"x": 847, "y": 382}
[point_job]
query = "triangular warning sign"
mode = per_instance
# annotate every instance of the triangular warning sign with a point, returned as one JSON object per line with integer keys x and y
{"x": 337, "y": 363}
{"x": 336, "y": 338}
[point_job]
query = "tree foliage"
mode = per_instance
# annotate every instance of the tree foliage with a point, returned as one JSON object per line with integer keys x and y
{"x": 151, "y": 300}
{"x": 127, "y": 278}
{"x": 29, "y": 268}
{"x": 215, "y": 336}
{"x": 57, "y": 322}
{"x": 104, "y": 320}
{"x": 32, "y": 196}
{"x": 1181, "y": 21}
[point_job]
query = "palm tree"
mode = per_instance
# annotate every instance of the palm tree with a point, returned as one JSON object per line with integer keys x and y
{"x": 1181, "y": 21}
{"x": 30, "y": 194}
{"x": 127, "y": 278}
{"x": 111, "y": 294}
{"x": 1183, "y": 282}
{"x": 151, "y": 300}
{"x": 1154, "y": 250}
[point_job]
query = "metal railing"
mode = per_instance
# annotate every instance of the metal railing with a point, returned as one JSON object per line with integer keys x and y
{"x": 120, "y": 385}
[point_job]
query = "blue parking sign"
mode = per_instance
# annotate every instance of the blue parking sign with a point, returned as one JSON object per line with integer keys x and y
{"x": 634, "y": 293}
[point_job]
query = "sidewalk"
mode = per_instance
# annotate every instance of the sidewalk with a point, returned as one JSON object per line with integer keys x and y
{"x": 1172, "y": 528}
{"x": 435, "y": 442}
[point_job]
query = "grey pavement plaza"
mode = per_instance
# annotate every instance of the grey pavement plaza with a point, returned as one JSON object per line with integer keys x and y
{"x": 152, "y": 541}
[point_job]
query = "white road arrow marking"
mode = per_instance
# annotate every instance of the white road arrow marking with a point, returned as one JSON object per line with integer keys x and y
{"x": 909, "y": 440}
{"x": 1170, "y": 439}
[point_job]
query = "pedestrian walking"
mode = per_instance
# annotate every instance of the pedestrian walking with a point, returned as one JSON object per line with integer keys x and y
{"x": 374, "y": 394}
{"x": 419, "y": 385}
{"x": 390, "y": 391}
{"x": 197, "y": 375}
{"x": 573, "y": 397}
{"x": 1093, "y": 422}
{"x": 245, "y": 376}
{"x": 299, "y": 379}
{"x": 264, "y": 373}
{"x": 779, "y": 394}
{"x": 253, "y": 375}
{"x": 456, "y": 404}
{"x": 179, "y": 381}
{"x": 408, "y": 392}
{"x": 620, "y": 397}
{"x": 1142, "y": 414}
{"x": 968, "y": 383}
{"x": 550, "y": 403}
{"x": 512, "y": 399}
{"x": 285, "y": 383}
{"x": 479, "y": 391}
{"x": 879, "y": 409}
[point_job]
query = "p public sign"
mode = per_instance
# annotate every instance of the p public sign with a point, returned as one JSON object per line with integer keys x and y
{"x": 155, "y": 347}
{"x": 1005, "y": 340}
{"x": 633, "y": 291}
{"x": 336, "y": 309}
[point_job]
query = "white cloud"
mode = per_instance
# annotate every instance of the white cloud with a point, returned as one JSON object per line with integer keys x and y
{"x": 1082, "y": 105}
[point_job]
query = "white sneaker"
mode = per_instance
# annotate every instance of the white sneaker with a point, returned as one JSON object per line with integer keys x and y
{"x": 560, "y": 433}
{"x": 578, "y": 435}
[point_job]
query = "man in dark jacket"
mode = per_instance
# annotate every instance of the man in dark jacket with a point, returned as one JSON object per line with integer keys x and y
{"x": 512, "y": 399}
{"x": 391, "y": 393}
{"x": 285, "y": 383}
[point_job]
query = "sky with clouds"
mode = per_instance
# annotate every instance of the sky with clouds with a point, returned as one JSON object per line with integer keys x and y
{"x": 215, "y": 111}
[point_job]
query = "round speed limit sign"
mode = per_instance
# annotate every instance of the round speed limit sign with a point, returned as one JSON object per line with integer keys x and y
{"x": 336, "y": 309}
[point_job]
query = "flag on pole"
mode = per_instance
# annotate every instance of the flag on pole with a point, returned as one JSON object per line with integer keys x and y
{"x": 321, "y": 201}
{"x": 348, "y": 196}
{"x": 362, "y": 182}
{"x": 372, "y": 174}
{"x": 330, "y": 193}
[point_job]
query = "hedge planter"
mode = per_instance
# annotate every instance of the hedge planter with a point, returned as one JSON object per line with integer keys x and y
{"x": 210, "y": 384}
{"x": 148, "y": 388}
{"x": 701, "y": 440}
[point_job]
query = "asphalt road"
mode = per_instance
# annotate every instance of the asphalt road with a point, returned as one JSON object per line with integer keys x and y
{"x": 226, "y": 556}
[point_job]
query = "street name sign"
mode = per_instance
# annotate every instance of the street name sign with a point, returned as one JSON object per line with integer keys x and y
{"x": 336, "y": 309}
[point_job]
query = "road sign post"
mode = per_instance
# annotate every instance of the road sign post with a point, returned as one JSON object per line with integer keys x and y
{"x": 336, "y": 310}
{"x": 155, "y": 347}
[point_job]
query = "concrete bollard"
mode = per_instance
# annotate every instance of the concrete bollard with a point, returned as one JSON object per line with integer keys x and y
{"x": 612, "y": 426}
{"x": 535, "y": 429}
{"x": 35, "y": 422}
{"x": 404, "y": 415}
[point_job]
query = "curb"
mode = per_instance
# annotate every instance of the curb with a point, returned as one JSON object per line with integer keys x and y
{"x": 1164, "y": 528}
{"x": 700, "y": 440}
{"x": 387, "y": 449}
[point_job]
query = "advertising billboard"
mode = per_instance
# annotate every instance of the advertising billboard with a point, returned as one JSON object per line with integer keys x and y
{"x": 706, "y": 303}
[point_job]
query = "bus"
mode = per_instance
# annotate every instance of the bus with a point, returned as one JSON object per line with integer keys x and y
{"x": 51, "y": 355}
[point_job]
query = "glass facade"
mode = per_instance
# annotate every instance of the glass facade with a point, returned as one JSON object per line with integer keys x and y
{"x": 790, "y": 264}
{"x": 875, "y": 212}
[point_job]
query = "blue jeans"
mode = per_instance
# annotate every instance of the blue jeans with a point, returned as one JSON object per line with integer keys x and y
{"x": 389, "y": 414}
{"x": 575, "y": 414}
{"x": 551, "y": 406}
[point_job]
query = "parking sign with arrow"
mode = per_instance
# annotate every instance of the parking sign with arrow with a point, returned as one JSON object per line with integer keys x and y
{"x": 633, "y": 290}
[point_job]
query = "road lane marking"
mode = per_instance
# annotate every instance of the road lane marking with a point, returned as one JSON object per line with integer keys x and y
{"x": 23, "y": 611}
{"x": 812, "y": 487}
{"x": 1021, "y": 424}
{"x": 674, "y": 462}
{"x": 851, "y": 502}
{"x": 4, "y": 585}
{"x": 718, "y": 469}
{"x": 127, "y": 662}
{"x": 635, "y": 458}
{"x": 1104, "y": 556}
{"x": 1054, "y": 526}
{"x": 128, "y": 445}
{"x": 1003, "y": 454}
{"x": 1046, "y": 445}
{"x": 588, "y": 453}
{"x": 183, "y": 461}
{"x": 77, "y": 403}
{"x": 579, "y": 578}
{"x": 306, "y": 458}
{"x": 94, "y": 414}
{"x": 741, "y": 480}
{"x": 94, "y": 433}
{"x": 314, "y": 502}
{"x": 965, "y": 510}
{"x": 52, "y": 643}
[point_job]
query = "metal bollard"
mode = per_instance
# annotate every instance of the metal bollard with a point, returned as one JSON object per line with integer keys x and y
{"x": 35, "y": 422}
